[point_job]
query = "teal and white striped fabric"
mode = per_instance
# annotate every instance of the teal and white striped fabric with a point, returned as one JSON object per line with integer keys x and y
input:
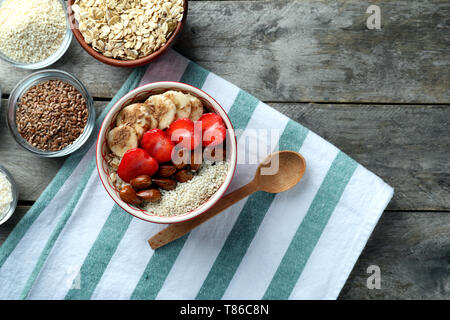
{"x": 75, "y": 243}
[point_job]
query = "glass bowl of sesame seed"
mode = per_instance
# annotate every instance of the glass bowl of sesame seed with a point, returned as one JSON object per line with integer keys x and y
{"x": 34, "y": 33}
{"x": 50, "y": 113}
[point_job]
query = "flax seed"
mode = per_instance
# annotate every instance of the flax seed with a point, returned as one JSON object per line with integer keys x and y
{"x": 51, "y": 115}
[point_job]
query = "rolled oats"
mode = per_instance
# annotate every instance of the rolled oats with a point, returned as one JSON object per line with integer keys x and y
{"x": 127, "y": 29}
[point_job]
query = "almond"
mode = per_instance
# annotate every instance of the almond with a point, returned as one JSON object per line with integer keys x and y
{"x": 181, "y": 166}
{"x": 165, "y": 184}
{"x": 166, "y": 170}
{"x": 141, "y": 182}
{"x": 152, "y": 195}
{"x": 183, "y": 175}
{"x": 128, "y": 195}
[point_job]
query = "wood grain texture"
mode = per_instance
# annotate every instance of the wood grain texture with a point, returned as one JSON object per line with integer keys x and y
{"x": 408, "y": 146}
{"x": 322, "y": 50}
{"x": 412, "y": 250}
{"x": 302, "y": 51}
{"x": 32, "y": 173}
{"x": 100, "y": 79}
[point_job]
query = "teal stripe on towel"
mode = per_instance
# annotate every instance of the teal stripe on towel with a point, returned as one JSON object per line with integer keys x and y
{"x": 33, "y": 213}
{"x": 163, "y": 259}
{"x": 57, "y": 231}
{"x": 157, "y": 269}
{"x": 246, "y": 226}
{"x": 101, "y": 253}
{"x": 129, "y": 85}
{"x": 194, "y": 75}
{"x": 311, "y": 228}
{"x": 242, "y": 110}
{"x": 293, "y": 136}
{"x": 235, "y": 246}
{"x": 149, "y": 284}
{"x": 66, "y": 170}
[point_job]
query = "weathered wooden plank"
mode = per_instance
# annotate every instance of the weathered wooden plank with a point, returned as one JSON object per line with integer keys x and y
{"x": 303, "y": 51}
{"x": 412, "y": 250}
{"x": 322, "y": 50}
{"x": 407, "y": 146}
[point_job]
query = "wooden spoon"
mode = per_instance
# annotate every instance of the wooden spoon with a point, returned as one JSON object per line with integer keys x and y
{"x": 290, "y": 169}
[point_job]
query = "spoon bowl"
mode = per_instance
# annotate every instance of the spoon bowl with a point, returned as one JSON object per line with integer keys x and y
{"x": 280, "y": 171}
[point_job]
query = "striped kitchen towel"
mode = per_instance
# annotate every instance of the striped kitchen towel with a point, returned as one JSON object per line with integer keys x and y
{"x": 75, "y": 243}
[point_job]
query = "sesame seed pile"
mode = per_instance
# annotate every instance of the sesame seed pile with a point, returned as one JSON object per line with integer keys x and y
{"x": 31, "y": 30}
{"x": 193, "y": 193}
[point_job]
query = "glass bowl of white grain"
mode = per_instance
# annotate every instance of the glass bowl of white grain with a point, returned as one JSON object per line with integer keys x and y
{"x": 8, "y": 191}
{"x": 33, "y": 33}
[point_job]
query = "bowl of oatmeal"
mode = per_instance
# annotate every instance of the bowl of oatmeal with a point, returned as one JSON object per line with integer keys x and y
{"x": 126, "y": 33}
{"x": 166, "y": 152}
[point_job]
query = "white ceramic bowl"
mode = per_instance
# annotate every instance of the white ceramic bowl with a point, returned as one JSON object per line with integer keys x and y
{"x": 139, "y": 95}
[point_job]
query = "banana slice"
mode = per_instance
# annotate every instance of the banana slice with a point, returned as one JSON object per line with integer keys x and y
{"x": 182, "y": 102}
{"x": 121, "y": 139}
{"x": 163, "y": 109}
{"x": 137, "y": 116}
{"x": 196, "y": 108}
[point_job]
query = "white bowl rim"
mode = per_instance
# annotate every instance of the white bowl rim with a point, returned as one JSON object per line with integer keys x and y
{"x": 214, "y": 198}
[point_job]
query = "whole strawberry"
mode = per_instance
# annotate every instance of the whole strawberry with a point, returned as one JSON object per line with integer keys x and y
{"x": 185, "y": 133}
{"x": 213, "y": 129}
{"x": 158, "y": 145}
{"x": 136, "y": 162}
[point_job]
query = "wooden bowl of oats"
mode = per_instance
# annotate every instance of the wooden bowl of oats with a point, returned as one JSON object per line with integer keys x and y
{"x": 126, "y": 34}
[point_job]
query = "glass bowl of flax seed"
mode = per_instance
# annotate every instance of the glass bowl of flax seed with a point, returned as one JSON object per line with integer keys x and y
{"x": 50, "y": 113}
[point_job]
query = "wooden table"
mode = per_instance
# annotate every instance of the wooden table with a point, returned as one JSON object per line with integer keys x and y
{"x": 382, "y": 96}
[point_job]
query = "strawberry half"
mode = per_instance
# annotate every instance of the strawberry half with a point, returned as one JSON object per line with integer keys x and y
{"x": 184, "y": 133}
{"x": 158, "y": 145}
{"x": 213, "y": 129}
{"x": 136, "y": 162}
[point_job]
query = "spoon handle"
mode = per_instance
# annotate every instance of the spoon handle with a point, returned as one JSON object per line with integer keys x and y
{"x": 177, "y": 230}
